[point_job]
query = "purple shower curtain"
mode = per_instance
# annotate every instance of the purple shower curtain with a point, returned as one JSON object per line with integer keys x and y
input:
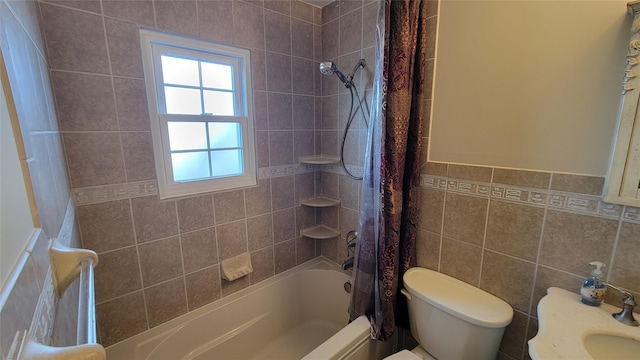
{"x": 391, "y": 185}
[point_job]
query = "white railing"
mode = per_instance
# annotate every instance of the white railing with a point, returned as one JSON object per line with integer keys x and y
{"x": 67, "y": 264}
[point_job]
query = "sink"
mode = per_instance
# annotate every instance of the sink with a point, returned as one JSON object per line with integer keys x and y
{"x": 569, "y": 329}
{"x": 606, "y": 347}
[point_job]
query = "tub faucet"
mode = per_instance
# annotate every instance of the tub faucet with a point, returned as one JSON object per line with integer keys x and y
{"x": 626, "y": 315}
{"x": 352, "y": 238}
{"x": 347, "y": 264}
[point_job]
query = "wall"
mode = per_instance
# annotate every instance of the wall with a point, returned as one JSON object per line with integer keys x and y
{"x": 42, "y": 160}
{"x": 514, "y": 233}
{"x": 160, "y": 259}
{"x": 557, "y": 68}
{"x": 154, "y": 253}
{"x": 15, "y": 212}
{"x": 348, "y": 34}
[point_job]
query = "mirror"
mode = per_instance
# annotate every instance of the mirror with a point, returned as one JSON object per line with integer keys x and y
{"x": 528, "y": 84}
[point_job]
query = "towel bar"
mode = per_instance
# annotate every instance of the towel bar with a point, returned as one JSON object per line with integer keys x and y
{"x": 67, "y": 264}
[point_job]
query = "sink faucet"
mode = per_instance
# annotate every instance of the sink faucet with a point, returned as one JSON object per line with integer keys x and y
{"x": 625, "y": 316}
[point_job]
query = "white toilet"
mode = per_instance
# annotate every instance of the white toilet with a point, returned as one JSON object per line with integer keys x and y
{"x": 451, "y": 319}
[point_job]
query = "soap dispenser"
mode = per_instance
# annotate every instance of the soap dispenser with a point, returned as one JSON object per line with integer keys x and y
{"x": 593, "y": 288}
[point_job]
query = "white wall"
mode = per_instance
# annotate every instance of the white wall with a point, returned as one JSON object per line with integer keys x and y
{"x": 16, "y": 225}
{"x": 528, "y": 84}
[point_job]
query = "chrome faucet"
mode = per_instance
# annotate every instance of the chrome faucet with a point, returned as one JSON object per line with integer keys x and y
{"x": 625, "y": 316}
{"x": 347, "y": 264}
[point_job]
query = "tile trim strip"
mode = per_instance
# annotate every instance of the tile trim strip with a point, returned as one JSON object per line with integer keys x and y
{"x": 100, "y": 194}
{"x": 552, "y": 199}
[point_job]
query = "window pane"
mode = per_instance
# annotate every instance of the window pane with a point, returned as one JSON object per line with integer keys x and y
{"x": 219, "y": 103}
{"x": 190, "y": 166}
{"x": 217, "y": 76}
{"x": 227, "y": 162}
{"x": 180, "y": 71}
{"x": 182, "y": 101}
{"x": 187, "y": 136}
{"x": 225, "y": 135}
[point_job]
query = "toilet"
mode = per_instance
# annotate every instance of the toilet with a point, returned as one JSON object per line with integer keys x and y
{"x": 450, "y": 319}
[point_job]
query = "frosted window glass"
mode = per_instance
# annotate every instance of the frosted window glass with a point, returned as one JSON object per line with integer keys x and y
{"x": 217, "y": 76}
{"x": 190, "y": 166}
{"x": 225, "y": 135}
{"x": 182, "y": 101}
{"x": 180, "y": 71}
{"x": 226, "y": 162}
{"x": 219, "y": 103}
{"x": 187, "y": 136}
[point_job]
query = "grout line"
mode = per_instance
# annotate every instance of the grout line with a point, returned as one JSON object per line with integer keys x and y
{"x": 615, "y": 248}
{"x": 135, "y": 239}
{"x": 215, "y": 233}
{"x": 537, "y": 266}
{"x": 183, "y": 275}
{"x": 486, "y": 226}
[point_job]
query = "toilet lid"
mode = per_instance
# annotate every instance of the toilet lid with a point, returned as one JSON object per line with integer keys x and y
{"x": 403, "y": 355}
{"x": 458, "y": 298}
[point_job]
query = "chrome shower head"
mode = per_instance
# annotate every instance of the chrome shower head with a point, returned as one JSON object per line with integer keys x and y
{"x": 329, "y": 68}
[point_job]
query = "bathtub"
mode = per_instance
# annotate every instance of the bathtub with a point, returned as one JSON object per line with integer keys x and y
{"x": 300, "y": 313}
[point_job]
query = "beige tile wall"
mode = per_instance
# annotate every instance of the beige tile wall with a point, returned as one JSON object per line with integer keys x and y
{"x": 508, "y": 232}
{"x": 515, "y": 233}
{"x": 160, "y": 259}
{"x": 348, "y": 34}
{"x": 27, "y": 68}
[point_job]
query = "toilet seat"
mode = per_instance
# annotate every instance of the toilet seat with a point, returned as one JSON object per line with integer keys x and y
{"x": 403, "y": 355}
{"x": 418, "y": 353}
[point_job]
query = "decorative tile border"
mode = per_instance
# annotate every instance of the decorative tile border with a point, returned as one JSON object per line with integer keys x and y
{"x": 558, "y": 200}
{"x": 98, "y": 194}
{"x": 529, "y": 196}
{"x": 44, "y": 314}
{"x": 582, "y": 203}
{"x": 433, "y": 182}
{"x": 468, "y": 187}
{"x": 285, "y": 170}
{"x": 631, "y": 214}
{"x": 66, "y": 230}
{"x": 105, "y": 193}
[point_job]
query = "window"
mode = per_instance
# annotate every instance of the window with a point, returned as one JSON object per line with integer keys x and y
{"x": 200, "y": 106}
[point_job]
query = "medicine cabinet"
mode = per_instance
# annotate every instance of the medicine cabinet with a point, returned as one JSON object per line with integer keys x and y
{"x": 623, "y": 178}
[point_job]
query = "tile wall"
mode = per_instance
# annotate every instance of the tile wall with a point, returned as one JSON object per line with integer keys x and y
{"x": 512, "y": 233}
{"x": 348, "y": 34}
{"x": 23, "y": 52}
{"x": 516, "y": 233}
{"x": 160, "y": 259}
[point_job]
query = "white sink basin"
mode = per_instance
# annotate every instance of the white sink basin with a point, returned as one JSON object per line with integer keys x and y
{"x": 606, "y": 347}
{"x": 569, "y": 329}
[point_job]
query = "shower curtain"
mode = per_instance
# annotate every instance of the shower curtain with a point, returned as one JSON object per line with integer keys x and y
{"x": 391, "y": 184}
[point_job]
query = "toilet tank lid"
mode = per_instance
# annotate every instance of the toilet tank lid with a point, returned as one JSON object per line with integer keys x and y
{"x": 458, "y": 298}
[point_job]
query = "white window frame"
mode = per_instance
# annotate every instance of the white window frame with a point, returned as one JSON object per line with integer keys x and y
{"x": 153, "y": 43}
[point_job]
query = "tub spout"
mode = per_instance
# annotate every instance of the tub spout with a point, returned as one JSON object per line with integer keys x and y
{"x": 347, "y": 264}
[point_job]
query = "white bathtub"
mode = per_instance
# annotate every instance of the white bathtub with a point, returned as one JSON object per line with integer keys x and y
{"x": 286, "y": 317}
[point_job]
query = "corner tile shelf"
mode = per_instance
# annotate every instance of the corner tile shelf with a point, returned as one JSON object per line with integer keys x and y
{"x": 321, "y": 232}
{"x": 320, "y": 202}
{"x": 319, "y": 160}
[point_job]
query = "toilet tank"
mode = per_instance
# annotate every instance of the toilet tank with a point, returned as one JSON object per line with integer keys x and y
{"x": 454, "y": 320}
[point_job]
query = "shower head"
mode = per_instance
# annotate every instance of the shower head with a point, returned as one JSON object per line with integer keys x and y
{"x": 329, "y": 68}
